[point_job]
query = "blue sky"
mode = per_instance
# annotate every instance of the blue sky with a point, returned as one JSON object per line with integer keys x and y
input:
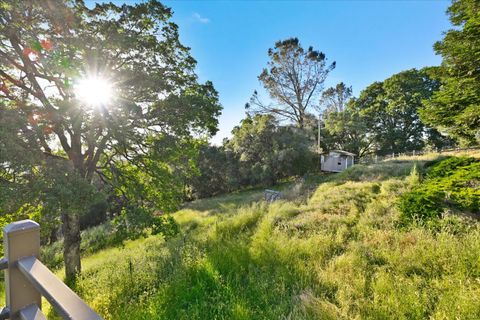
{"x": 369, "y": 40}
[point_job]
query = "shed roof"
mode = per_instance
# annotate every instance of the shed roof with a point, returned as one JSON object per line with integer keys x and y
{"x": 343, "y": 152}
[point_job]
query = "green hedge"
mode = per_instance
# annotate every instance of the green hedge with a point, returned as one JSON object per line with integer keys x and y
{"x": 451, "y": 184}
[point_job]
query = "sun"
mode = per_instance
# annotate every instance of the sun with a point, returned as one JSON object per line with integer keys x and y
{"x": 94, "y": 91}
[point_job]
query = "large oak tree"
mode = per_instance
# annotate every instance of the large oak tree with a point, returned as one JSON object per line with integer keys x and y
{"x": 455, "y": 108}
{"x": 48, "y": 47}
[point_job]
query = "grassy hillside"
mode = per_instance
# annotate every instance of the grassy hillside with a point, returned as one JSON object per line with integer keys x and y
{"x": 337, "y": 254}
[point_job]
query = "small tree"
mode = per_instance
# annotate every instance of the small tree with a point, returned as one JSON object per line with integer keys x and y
{"x": 268, "y": 152}
{"x": 294, "y": 79}
{"x": 218, "y": 172}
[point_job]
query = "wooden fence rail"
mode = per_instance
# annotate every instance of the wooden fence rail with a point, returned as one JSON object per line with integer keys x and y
{"x": 27, "y": 279}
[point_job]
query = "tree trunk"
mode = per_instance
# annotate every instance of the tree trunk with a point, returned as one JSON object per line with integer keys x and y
{"x": 53, "y": 235}
{"x": 301, "y": 119}
{"x": 71, "y": 245}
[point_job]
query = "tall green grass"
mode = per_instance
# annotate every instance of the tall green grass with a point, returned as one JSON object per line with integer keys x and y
{"x": 339, "y": 255}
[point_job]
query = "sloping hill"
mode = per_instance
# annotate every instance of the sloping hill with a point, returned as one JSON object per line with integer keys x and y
{"x": 339, "y": 254}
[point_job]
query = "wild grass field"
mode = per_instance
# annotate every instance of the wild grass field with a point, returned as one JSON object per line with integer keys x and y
{"x": 334, "y": 252}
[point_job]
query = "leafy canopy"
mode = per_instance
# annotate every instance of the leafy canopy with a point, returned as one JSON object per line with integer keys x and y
{"x": 455, "y": 108}
{"x": 48, "y": 48}
{"x": 390, "y": 111}
{"x": 268, "y": 152}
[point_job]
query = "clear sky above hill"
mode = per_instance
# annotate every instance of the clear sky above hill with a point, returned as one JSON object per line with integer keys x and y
{"x": 369, "y": 40}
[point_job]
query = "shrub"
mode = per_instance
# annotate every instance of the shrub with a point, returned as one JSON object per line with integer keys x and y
{"x": 98, "y": 238}
{"x": 448, "y": 166}
{"x": 420, "y": 205}
{"x": 52, "y": 255}
{"x": 451, "y": 184}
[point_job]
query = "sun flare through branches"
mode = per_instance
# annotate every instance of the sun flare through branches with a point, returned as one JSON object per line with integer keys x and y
{"x": 94, "y": 91}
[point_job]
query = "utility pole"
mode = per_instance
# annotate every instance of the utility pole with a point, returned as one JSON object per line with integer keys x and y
{"x": 319, "y": 150}
{"x": 319, "y": 128}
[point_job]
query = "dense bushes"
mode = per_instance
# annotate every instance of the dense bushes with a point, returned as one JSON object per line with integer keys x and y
{"x": 420, "y": 204}
{"x": 218, "y": 172}
{"x": 447, "y": 167}
{"x": 450, "y": 185}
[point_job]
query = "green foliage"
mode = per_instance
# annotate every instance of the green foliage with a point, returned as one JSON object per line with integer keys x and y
{"x": 36, "y": 213}
{"x": 218, "y": 172}
{"x": 390, "y": 111}
{"x": 347, "y": 130}
{"x": 98, "y": 238}
{"x": 450, "y": 184}
{"x": 134, "y": 222}
{"x": 157, "y": 108}
{"x": 96, "y": 215}
{"x": 62, "y": 189}
{"x": 421, "y": 205}
{"x": 447, "y": 167}
{"x": 414, "y": 178}
{"x": 268, "y": 152}
{"x": 158, "y": 179}
{"x": 164, "y": 225}
{"x": 455, "y": 107}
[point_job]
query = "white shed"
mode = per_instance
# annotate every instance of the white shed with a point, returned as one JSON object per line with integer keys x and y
{"x": 336, "y": 161}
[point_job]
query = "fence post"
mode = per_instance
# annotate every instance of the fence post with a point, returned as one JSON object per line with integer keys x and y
{"x": 20, "y": 239}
